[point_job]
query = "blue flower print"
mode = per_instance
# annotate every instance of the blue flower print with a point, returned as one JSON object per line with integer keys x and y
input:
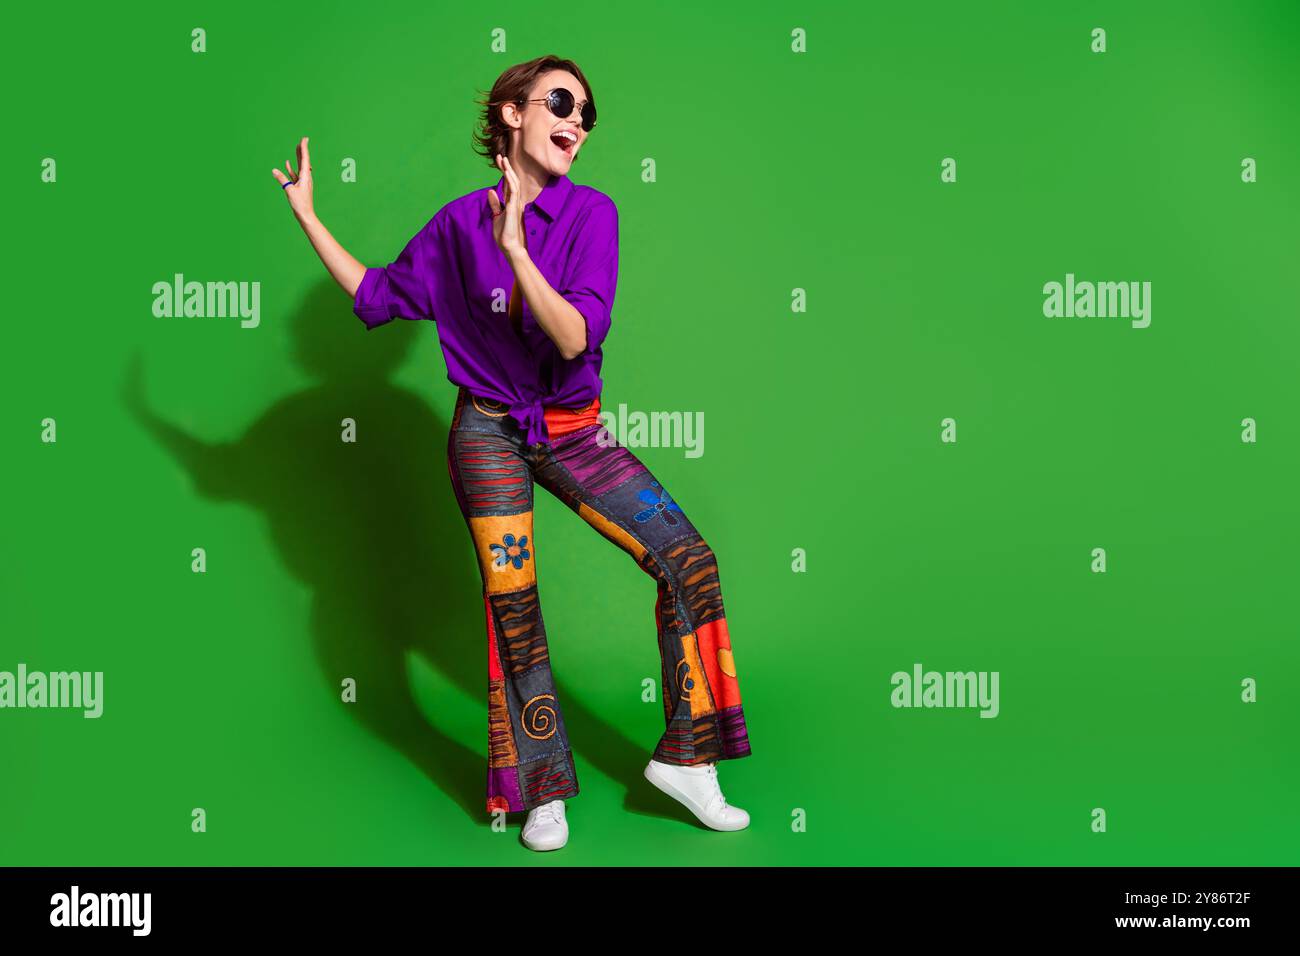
{"x": 510, "y": 551}
{"x": 661, "y": 503}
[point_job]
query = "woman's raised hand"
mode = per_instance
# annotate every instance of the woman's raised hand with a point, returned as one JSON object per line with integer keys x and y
{"x": 342, "y": 265}
{"x": 299, "y": 193}
{"x": 507, "y": 222}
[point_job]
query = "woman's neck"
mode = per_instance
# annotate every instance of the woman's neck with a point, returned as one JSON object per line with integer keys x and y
{"x": 532, "y": 178}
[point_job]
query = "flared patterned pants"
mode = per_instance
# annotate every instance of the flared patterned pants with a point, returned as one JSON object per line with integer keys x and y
{"x": 493, "y": 470}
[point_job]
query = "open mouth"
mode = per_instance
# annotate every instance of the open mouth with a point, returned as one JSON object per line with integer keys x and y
{"x": 565, "y": 141}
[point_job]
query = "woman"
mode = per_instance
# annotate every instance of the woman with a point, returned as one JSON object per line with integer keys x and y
{"x": 528, "y": 366}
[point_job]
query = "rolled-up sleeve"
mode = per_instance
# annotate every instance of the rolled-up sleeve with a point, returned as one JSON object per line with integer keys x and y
{"x": 592, "y": 282}
{"x": 404, "y": 288}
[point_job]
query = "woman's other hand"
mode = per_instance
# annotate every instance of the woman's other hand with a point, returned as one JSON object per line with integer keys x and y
{"x": 299, "y": 193}
{"x": 507, "y": 223}
{"x": 342, "y": 265}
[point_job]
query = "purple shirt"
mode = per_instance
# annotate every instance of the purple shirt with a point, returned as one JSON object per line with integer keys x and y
{"x": 453, "y": 272}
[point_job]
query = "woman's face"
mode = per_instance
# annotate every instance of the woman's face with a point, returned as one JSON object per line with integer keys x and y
{"x": 542, "y": 134}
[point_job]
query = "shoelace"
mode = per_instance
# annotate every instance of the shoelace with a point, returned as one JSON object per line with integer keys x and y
{"x": 712, "y": 774}
{"x": 553, "y": 811}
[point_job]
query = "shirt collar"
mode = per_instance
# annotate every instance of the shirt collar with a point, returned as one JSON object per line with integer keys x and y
{"x": 550, "y": 200}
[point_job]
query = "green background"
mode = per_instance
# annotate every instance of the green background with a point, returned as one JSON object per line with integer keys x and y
{"x": 775, "y": 171}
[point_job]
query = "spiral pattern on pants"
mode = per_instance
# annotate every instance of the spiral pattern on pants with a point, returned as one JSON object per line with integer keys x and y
{"x": 540, "y": 718}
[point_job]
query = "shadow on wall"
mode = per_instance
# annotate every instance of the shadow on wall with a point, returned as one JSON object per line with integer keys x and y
{"x": 373, "y": 529}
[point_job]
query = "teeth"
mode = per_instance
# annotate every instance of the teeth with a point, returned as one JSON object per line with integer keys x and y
{"x": 571, "y": 137}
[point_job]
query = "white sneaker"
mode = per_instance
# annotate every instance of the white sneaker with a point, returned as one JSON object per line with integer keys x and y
{"x": 546, "y": 828}
{"x": 697, "y": 789}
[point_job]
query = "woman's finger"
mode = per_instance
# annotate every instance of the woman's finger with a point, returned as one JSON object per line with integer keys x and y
{"x": 292, "y": 174}
{"x": 280, "y": 177}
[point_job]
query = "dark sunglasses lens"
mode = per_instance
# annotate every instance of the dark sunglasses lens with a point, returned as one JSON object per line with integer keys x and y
{"x": 560, "y": 102}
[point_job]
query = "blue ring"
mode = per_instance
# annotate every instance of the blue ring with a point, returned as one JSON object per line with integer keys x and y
{"x": 292, "y": 182}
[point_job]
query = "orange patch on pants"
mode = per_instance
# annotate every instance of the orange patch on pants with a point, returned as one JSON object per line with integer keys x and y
{"x": 697, "y": 693}
{"x": 609, "y": 529}
{"x": 498, "y": 567}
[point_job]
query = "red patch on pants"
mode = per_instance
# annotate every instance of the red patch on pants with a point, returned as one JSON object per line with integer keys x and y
{"x": 561, "y": 421}
{"x": 714, "y": 644}
{"x": 494, "y": 662}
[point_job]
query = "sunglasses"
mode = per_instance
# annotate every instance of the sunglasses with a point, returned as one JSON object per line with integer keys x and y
{"x": 560, "y": 102}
